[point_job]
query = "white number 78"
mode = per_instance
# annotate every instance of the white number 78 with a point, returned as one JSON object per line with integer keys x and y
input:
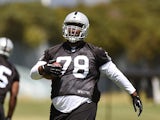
{"x": 84, "y": 67}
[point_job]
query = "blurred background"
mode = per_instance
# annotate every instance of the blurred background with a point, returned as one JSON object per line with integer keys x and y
{"x": 128, "y": 29}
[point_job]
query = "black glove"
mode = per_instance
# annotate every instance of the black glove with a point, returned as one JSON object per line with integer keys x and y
{"x": 52, "y": 69}
{"x": 137, "y": 104}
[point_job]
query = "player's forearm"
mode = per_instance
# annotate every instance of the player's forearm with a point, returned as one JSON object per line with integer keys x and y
{"x": 117, "y": 77}
{"x": 35, "y": 73}
{"x": 12, "y": 105}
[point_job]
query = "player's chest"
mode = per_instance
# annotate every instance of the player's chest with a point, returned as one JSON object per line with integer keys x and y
{"x": 83, "y": 56}
{"x": 5, "y": 77}
{"x": 79, "y": 63}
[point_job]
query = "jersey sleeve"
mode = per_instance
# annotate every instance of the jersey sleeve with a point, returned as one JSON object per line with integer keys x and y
{"x": 49, "y": 53}
{"x": 44, "y": 59}
{"x": 102, "y": 56}
{"x": 16, "y": 75}
{"x": 113, "y": 73}
{"x": 46, "y": 56}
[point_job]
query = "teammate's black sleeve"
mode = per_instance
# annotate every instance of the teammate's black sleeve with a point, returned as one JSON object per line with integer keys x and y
{"x": 17, "y": 76}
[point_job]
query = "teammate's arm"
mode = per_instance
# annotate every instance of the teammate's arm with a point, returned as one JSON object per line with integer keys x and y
{"x": 13, "y": 99}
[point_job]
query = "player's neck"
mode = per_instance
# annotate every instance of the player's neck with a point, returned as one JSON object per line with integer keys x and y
{"x": 73, "y": 47}
{"x": 76, "y": 44}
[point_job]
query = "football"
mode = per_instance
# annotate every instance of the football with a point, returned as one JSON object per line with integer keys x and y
{"x": 55, "y": 65}
{"x": 50, "y": 77}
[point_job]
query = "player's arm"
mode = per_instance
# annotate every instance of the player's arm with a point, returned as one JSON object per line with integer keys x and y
{"x": 13, "y": 99}
{"x": 34, "y": 73}
{"x": 137, "y": 103}
{"x": 46, "y": 70}
{"x": 119, "y": 78}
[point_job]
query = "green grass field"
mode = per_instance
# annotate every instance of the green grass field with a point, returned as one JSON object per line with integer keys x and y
{"x": 115, "y": 106}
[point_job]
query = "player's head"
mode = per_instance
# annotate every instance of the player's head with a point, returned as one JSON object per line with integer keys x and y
{"x": 75, "y": 27}
{"x": 6, "y": 46}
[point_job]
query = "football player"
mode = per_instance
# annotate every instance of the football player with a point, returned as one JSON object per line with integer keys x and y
{"x": 9, "y": 79}
{"x": 74, "y": 68}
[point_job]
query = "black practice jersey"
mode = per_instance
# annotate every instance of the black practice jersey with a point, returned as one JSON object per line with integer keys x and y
{"x": 8, "y": 74}
{"x": 80, "y": 69}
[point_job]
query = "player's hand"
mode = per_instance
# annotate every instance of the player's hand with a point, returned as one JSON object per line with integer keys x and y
{"x": 52, "y": 68}
{"x": 137, "y": 104}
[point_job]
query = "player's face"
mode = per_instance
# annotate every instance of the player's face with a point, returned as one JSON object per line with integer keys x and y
{"x": 74, "y": 30}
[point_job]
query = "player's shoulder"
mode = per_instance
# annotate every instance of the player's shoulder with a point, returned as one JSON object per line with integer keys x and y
{"x": 13, "y": 66}
{"x": 50, "y": 52}
{"x": 5, "y": 62}
{"x": 53, "y": 48}
{"x": 96, "y": 49}
{"x": 99, "y": 53}
{"x": 10, "y": 66}
{"x": 15, "y": 75}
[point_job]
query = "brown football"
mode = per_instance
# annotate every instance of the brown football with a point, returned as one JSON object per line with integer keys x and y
{"x": 52, "y": 77}
{"x": 57, "y": 64}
